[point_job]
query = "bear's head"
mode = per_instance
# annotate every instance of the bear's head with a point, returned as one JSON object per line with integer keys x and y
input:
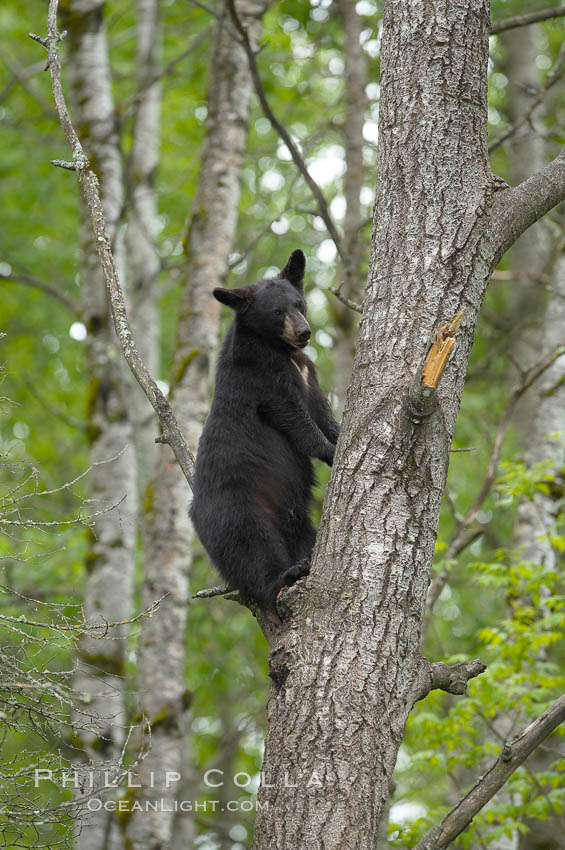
{"x": 274, "y": 308}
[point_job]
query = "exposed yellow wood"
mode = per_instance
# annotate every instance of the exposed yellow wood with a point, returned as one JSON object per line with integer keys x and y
{"x": 437, "y": 356}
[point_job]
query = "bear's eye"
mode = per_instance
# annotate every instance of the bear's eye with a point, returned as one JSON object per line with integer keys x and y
{"x": 278, "y": 312}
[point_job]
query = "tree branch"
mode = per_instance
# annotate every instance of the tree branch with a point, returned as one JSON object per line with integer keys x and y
{"x": 70, "y": 421}
{"x": 217, "y": 590}
{"x": 517, "y": 209}
{"x": 70, "y": 303}
{"x": 421, "y": 399}
{"x": 128, "y": 107}
{"x": 524, "y": 20}
{"x": 464, "y": 535}
{"x": 283, "y": 133}
{"x": 453, "y": 678}
{"x": 89, "y": 184}
{"x": 512, "y": 756}
{"x": 353, "y": 305}
{"x": 550, "y": 81}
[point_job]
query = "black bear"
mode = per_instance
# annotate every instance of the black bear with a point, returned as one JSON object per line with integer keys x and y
{"x": 254, "y": 477}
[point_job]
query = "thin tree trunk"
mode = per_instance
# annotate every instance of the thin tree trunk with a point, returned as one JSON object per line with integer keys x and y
{"x": 110, "y": 558}
{"x": 530, "y": 254}
{"x": 142, "y": 258}
{"x": 167, "y": 533}
{"x": 346, "y": 667}
{"x": 527, "y": 255}
{"x": 542, "y": 429}
{"x": 349, "y": 271}
{"x": 539, "y": 329}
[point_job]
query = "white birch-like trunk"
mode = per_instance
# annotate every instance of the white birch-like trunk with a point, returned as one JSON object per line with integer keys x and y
{"x": 167, "y": 533}
{"x": 142, "y": 259}
{"x": 349, "y": 269}
{"x": 539, "y": 321}
{"x": 527, "y": 255}
{"x": 110, "y": 558}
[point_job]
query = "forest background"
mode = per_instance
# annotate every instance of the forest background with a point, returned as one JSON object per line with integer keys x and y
{"x": 200, "y": 188}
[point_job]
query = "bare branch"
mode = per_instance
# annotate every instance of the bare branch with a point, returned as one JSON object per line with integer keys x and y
{"x": 283, "y": 133}
{"x": 92, "y": 629}
{"x": 464, "y": 535}
{"x": 353, "y": 305}
{"x": 206, "y": 8}
{"x": 517, "y": 209}
{"x": 553, "y": 76}
{"x": 458, "y": 544}
{"x": 131, "y": 105}
{"x": 59, "y": 523}
{"x": 531, "y": 376}
{"x": 27, "y": 280}
{"x": 510, "y": 275}
{"x": 421, "y": 399}
{"x": 524, "y": 20}
{"x": 453, "y": 678}
{"x": 512, "y": 756}
{"x": 89, "y": 183}
{"x": 209, "y": 592}
{"x": 70, "y": 421}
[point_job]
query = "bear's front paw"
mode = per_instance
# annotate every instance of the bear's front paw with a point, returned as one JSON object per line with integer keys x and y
{"x": 288, "y": 579}
{"x": 302, "y": 568}
{"x": 329, "y": 458}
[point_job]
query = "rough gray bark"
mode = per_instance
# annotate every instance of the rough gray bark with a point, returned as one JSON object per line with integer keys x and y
{"x": 142, "y": 259}
{"x": 110, "y": 559}
{"x": 167, "y": 533}
{"x": 349, "y": 268}
{"x": 346, "y": 667}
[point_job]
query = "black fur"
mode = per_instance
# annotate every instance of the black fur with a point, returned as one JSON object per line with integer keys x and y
{"x": 254, "y": 476}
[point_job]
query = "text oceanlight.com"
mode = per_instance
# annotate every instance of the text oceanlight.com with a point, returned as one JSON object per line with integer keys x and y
{"x": 128, "y": 806}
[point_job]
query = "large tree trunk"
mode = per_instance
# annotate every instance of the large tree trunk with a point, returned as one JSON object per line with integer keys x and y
{"x": 167, "y": 533}
{"x": 346, "y": 667}
{"x": 110, "y": 559}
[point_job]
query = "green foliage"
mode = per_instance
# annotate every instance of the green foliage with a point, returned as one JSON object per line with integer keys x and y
{"x": 451, "y": 741}
{"x": 497, "y": 604}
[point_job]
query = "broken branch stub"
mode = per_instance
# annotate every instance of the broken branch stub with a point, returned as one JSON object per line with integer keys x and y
{"x": 441, "y": 347}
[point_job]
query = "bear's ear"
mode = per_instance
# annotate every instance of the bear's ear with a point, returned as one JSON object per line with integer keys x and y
{"x": 237, "y": 299}
{"x": 294, "y": 269}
